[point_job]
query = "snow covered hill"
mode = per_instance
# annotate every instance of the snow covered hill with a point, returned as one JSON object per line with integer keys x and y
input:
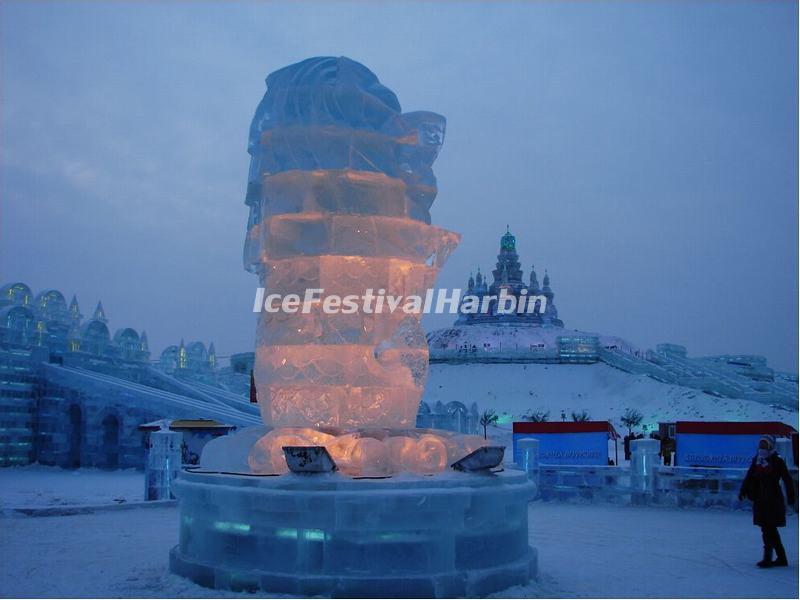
{"x": 603, "y": 391}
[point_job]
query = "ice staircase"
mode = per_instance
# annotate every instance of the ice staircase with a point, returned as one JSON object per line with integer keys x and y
{"x": 707, "y": 375}
{"x": 786, "y": 384}
{"x": 724, "y": 380}
{"x": 150, "y": 399}
{"x": 629, "y": 363}
{"x": 691, "y": 374}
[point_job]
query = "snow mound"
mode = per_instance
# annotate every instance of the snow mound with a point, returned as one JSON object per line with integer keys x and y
{"x": 603, "y": 391}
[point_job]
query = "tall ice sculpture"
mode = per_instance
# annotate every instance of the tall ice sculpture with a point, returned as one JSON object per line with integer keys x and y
{"x": 339, "y": 192}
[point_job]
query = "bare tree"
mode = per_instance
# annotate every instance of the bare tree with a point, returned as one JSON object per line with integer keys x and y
{"x": 536, "y": 416}
{"x": 631, "y": 418}
{"x": 489, "y": 417}
{"x": 579, "y": 417}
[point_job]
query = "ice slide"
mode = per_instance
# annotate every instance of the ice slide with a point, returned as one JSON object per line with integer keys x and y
{"x": 166, "y": 404}
{"x": 202, "y": 391}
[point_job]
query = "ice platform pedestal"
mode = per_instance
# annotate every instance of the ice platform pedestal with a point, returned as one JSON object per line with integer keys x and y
{"x": 449, "y": 535}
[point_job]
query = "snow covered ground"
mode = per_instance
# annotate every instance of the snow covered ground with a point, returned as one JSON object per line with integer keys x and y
{"x": 625, "y": 551}
{"x": 39, "y": 486}
{"x": 584, "y": 550}
{"x": 603, "y": 391}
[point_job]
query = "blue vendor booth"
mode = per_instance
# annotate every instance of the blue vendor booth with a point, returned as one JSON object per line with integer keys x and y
{"x": 722, "y": 443}
{"x": 567, "y": 442}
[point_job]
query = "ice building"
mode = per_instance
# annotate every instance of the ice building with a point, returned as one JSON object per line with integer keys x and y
{"x": 72, "y": 394}
{"x": 508, "y": 276}
{"x": 499, "y": 338}
{"x": 535, "y": 334}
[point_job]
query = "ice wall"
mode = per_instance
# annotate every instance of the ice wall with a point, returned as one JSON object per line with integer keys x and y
{"x": 339, "y": 191}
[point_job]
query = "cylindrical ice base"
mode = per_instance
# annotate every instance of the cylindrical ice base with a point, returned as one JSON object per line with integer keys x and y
{"x": 454, "y": 534}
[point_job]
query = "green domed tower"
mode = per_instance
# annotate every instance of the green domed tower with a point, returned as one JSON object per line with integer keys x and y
{"x": 507, "y": 262}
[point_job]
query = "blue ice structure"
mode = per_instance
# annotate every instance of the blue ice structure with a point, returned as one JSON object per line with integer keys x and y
{"x": 450, "y": 535}
{"x": 72, "y": 394}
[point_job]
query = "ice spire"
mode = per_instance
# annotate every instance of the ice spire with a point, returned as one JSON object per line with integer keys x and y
{"x": 504, "y": 275}
{"x": 182, "y": 355}
{"x": 74, "y": 336}
{"x": 534, "y": 279}
{"x": 551, "y": 313}
{"x": 212, "y": 355}
{"x": 74, "y": 310}
{"x": 41, "y": 332}
{"x": 100, "y": 313}
{"x": 470, "y": 283}
{"x": 143, "y": 344}
{"x": 479, "y": 278}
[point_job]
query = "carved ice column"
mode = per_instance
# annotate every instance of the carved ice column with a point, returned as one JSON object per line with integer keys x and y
{"x": 784, "y": 448}
{"x": 340, "y": 190}
{"x": 644, "y": 464}
{"x": 529, "y": 461}
{"x": 163, "y": 464}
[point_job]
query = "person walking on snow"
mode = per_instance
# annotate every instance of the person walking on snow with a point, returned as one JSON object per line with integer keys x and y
{"x": 762, "y": 486}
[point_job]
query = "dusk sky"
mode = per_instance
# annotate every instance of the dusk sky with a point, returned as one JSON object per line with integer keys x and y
{"x": 644, "y": 153}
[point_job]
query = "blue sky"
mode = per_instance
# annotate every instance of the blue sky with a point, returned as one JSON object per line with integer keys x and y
{"x": 644, "y": 152}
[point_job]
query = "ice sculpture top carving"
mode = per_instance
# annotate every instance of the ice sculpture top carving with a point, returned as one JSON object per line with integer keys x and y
{"x": 324, "y": 91}
{"x": 329, "y": 113}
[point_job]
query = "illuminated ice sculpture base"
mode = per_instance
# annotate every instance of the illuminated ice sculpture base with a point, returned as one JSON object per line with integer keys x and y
{"x": 452, "y": 535}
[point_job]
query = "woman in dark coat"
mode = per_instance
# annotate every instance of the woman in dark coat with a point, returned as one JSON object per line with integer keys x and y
{"x": 762, "y": 486}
